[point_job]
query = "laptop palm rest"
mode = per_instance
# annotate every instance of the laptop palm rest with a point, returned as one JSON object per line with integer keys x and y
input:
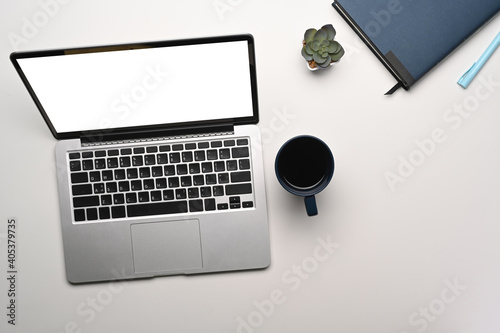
{"x": 166, "y": 246}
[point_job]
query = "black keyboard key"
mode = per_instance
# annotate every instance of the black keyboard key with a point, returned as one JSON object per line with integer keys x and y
{"x": 164, "y": 148}
{"x": 206, "y": 191}
{"x": 211, "y": 179}
{"x": 177, "y": 147}
{"x": 182, "y": 169}
{"x": 242, "y": 142}
{"x": 244, "y": 164}
{"x": 83, "y": 189}
{"x": 157, "y": 208}
{"x": 106, "y": 199}
{"x": 157, "y": 171}
{"x": 136, "y": 185}
{"x": 219, "y": 166}
{"x": 162, "y": 158}
{"x": 87, "y": 154}
{"x": 234, "y": 200}
{"x": 79, "y": 177}
{"x": 229, "y": 143}
{"x": 239, "y": 152}
{"x": 144, "y": 172}
{"x": 118, "y": 211}
{"x": 235, "y": 189}
{"x": 199, "y": 155}
{"x": 151, "y": 149}
{"x": 175, "y": 157}
{"x": 216, "y": 144}
{"x": 156, "y": 196}
{"x": 74, "y": 156}
{"x": 75, "y": 165}
{"x": 143, "y": 196}
{"x": 126, "y": 151}
{"x": 203, "y": 145}
{"x": 100, "y": 163}
{"x": 123, "y": 186}
{"x": 168, "y": 194}
{"x": 113, "y": 152}
{"x": 149, "y": 159}
{"x": 232, "y": 165}
{"x": 218, "y": 191}
{"x": 210, "y": 204}
{"x": 222, "y": 206}
{"x": 111, "y": 187}
{"x": 224, "y": 153}
{"x": 149, "y": 184}
{"x": 169, "y": 170}
{"x": 212, "y": 154}
{"x": 104, "y": 213}
{"x": 173, "y": 182}
{"x": 131, "y": 197}
{"x": 88, "y": 165}
{"x": 198, "y": 180}
{"x": 100, "y": 153}
{"x": 120, "y": 174}
{"x": 240, "y": 176}
{"x": 139, "y": 150}
{"x": 206, "y": 167}
{"x": 87, "y": 201}
{"x": 196, "y": 205}
{"x": 95, "y": 176}
{"x": 180, "y": 193}
{"x": 194, "y": 168}
{"x": 79, "y": 215}
{"x": 99, "y": 188}
{"x": 137, "y": 160}
{"x": 247, "y": 204}
{"x": 107, "y": 175}
{"x": 186, "y": 181}
{"x": 193, "y": 192}
{"x": 113, "y": 162}
{"x": 161, "y": 183}
{"x": 118, "y": 199}
{"x": 190, "y": 146}
{"x": 132, "y": 173}
{"x": 187, "y": 156}
{"x": 223, "y": 178}
{"x": 125, "y": 161}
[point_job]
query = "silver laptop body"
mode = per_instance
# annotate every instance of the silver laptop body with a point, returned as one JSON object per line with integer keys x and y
{"x": 159, "y": 162}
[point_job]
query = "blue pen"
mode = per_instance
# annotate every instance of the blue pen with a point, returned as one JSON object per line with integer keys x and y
{"x": 466, "y": 79}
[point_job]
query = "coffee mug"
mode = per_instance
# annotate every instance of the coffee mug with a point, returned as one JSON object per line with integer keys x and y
{"x": 304, "y": 166}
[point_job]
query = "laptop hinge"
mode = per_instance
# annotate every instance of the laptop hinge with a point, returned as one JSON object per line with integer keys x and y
{"x": 102, "y": 138}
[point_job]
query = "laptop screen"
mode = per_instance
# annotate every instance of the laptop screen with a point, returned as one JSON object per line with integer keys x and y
{"x": 133, "y": 86}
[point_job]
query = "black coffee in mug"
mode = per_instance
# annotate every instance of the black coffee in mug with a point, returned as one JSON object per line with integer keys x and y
{"x": 304, "y": 166}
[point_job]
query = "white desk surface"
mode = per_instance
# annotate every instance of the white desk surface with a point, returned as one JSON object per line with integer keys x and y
{"x": 423, "y": 256}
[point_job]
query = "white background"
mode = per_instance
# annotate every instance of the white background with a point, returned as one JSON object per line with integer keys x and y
{"x": 399, "y": 250}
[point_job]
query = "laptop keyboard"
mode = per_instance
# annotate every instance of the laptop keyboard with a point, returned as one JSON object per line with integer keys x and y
{"x": 110, "y": 183}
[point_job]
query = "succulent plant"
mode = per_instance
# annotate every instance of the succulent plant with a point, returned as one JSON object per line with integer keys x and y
{"x": 319, "y": 47}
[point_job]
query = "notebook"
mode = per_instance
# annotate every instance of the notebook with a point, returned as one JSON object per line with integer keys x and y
{"x": 159, "y": 163}
{"x": 412, "y": 37}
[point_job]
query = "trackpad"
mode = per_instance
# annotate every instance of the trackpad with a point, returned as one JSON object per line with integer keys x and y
{"x": 166, "y": 246}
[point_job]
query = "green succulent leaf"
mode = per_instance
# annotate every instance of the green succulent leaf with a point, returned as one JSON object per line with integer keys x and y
{"x": 309, "y": 35}
{"x": 330, "y": 31}
{"x": 320, "y": 35}
{"x": 308, "y": 48}
{"x": 315, "y": 45}
{"x": 306, "y": 55}
{"x": 339, "y": 54}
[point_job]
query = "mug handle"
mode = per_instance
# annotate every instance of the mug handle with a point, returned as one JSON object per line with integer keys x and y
{"x": 311, "y": 207}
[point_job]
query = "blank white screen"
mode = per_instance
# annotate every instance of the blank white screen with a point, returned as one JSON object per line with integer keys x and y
{"x": 148, "y": 86}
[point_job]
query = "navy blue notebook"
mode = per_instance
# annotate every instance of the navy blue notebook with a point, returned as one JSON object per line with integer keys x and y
{"x": 410, "y": 37}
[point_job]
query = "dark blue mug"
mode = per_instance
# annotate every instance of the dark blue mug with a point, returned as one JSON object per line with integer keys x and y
{"x": 304, "y": 166}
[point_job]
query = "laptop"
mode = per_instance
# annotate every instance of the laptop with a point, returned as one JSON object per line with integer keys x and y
{"x": 158, "y": 161}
